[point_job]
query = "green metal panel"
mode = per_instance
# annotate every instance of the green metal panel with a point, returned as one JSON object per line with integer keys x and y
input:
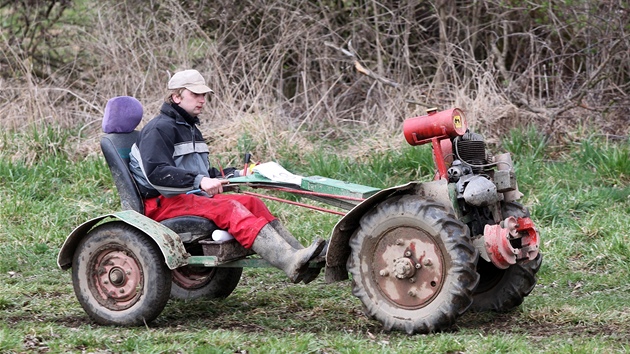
{"x": 212, "y": 261}
{"x": 316, "y": 184}
{"x": 168, "y": 241}
{"x": 336, "y": 187}
{"x": 252, "y": 178}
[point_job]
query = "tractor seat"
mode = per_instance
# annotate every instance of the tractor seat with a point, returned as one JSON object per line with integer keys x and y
{"x": 122, "y": 116}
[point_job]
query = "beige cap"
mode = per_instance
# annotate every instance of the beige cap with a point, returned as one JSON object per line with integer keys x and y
{"x": 190, "y": 79}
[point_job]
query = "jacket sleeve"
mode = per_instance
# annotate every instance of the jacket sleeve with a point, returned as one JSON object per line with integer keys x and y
{"x": 156, "y": 149}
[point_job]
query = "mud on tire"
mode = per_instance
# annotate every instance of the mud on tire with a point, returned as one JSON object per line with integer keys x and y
{"x": 119, "y": 276}
{"x": 413, "y": 265}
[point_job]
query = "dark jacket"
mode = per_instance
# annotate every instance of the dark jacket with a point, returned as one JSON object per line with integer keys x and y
{"x": 170, "y": 156}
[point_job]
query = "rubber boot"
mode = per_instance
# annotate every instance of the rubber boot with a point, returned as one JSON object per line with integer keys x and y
{"x": 311, "y": 273}
{"x": 272, "y": 247}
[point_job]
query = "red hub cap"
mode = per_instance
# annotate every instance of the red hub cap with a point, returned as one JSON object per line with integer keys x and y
{"x": 408, "y": 267}
{"x": 116, "y": 279}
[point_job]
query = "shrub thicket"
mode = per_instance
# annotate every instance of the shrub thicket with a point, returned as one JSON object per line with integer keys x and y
{"x": 323, "y": 66}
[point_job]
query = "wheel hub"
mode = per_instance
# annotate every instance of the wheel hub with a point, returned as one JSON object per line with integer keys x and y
{"x": 404, "y": 268}
{"x": 117, "y": 277}
{"x": 116, "y": 280}
{"x": 408, "y": 267}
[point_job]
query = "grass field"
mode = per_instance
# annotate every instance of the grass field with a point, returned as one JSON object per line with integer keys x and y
{"x": 578, "y": 193}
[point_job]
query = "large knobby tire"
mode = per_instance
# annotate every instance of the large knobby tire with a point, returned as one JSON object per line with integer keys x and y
{"x": 502, "y": 290}
{"x": 194, "y": 282}
{"x": 119, "y": 276}
{"x": 413, "y": 265}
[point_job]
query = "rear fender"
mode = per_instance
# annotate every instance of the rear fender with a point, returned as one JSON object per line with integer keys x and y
{"x": 167, "y": 240}
{"x": 339, "y": 247}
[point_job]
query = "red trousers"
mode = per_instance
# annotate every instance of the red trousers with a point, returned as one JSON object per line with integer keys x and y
{"x": 241, "y": 215}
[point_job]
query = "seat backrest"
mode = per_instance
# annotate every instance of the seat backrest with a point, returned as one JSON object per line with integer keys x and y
{"x": 122, "y": 116}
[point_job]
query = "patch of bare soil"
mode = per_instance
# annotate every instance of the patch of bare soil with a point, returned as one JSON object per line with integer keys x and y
{"x": 493, "y": 324}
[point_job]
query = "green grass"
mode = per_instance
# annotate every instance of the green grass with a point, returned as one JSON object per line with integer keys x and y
{"x": 579, "y": 197}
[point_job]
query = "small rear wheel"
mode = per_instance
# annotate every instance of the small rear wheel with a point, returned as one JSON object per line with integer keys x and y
{"x": 119, "y": 276}
{"x": 502, "y": 290}
{"x": 413, "y": 265}
{"x": 191, "y": 282}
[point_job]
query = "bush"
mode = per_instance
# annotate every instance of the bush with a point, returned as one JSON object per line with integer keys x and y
{"x": 312, "y": 70}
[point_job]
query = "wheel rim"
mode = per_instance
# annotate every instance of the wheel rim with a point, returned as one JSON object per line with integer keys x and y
{"x": 407, "y": 267}
{"x": 116, "y": 279}
{"x": 191, "y": 278}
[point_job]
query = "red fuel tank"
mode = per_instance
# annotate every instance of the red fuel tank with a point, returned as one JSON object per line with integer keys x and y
{"x": 449, "y": 123}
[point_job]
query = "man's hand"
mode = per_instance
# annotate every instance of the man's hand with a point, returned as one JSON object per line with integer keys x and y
{"x": 212, "y": 186}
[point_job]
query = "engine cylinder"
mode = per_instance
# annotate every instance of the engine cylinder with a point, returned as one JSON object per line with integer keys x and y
{"x": 472, "y": 152}
{"x": 449, "y": 123}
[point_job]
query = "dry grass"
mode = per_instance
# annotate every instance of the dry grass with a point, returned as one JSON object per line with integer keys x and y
{"x": 290, "y": 74}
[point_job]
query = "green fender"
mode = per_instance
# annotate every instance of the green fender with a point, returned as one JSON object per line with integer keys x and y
{"x": 167, "y": 240}
{"x": 339, "y": 244}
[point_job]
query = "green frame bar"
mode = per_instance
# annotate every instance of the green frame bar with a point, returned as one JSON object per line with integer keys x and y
{"x": 212, "y": 261}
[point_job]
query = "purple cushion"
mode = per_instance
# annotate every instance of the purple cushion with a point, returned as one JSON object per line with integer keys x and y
{"x": 122, "y": 115}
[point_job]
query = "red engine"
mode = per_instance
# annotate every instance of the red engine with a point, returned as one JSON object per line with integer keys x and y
{"x": 485, "y": 186}
{"x": 437, "y": 128}
{"x": 435, "y": 125}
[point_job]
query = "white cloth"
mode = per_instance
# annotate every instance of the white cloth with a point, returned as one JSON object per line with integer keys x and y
{"x": 277, "y": 173}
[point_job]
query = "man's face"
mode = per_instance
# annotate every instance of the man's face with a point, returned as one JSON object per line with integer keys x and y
{"x": 191, "y": 102}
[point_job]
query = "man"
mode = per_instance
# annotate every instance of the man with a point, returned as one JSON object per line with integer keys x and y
{"x": 170, "y": 159}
